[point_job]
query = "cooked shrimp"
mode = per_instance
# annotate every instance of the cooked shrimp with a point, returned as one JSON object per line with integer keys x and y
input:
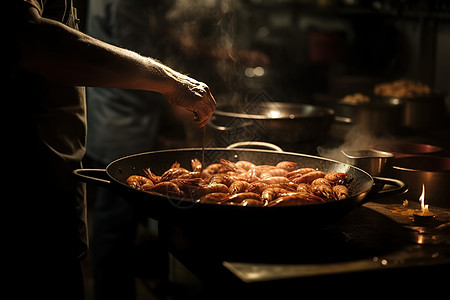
{"x": 290, "y": 186}
{"x": 251, "y": 202}
{"x": 264, "y": 167}
{"x": 230, "y": 166}
{"x": 323, "y": 190}
{"x": 257, "y": 187}
{"x": 189, "y": 175}
{"x": 299, "y": 172}
{"x": 336, "y": 177}
{"x": 214, "y": 188}
{"x": 244, "y": 183}
{"x": 238, "y": 186}
{"x": 252, "y": 175}
{"x": 246, "y": 165}
{"x": 272, "y": 193}
{"x": 308, "y": 177}
{"x": 321, "y": 181}
{"x": 238, "y": 198}
{"x": 296, "y": 199}
{"x": 175, "y": 165}
{"x": 304, "y": 187}
{"x": 221, "y": 178}
{"x": 173, "y": 173}
{"x": 341, "y": 192}
{"x": 213, "y": 198}
{"x": 210, "y": 170}
{"x": 274, "y": 180}
{"x": 167, "y": 188}
{"x": 189, "y": 186}
{"x": 152, "y": 176}
{"x": 273, "y": 172}
{"x": 287, "y": 165}
{"x": 139, "y": 182}
{"x": 196, "y": 165}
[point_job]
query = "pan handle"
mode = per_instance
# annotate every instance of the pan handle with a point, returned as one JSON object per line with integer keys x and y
{"x": 343, "y": 120}
{"x": 93, "y": 176}
{"x": 377, "y": 192}
{"x": 257, "y": 144}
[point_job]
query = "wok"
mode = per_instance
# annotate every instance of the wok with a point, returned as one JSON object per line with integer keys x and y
{"x": 275, "y": 122}
{"x": 185, "y": 211}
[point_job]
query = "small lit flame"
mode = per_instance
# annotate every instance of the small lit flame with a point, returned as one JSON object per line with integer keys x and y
{"x": 423, "y": 206}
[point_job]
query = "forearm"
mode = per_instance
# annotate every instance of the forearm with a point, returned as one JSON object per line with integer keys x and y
{"x": 64, "y": 55}
{"x": 60, "y": 53}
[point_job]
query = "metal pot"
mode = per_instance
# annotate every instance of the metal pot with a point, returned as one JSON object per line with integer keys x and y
{"x": 402, "y": 149}
{"x": 276, "y": 122}
{"x": 432, "y": 171}
{"x": 377, "y": 118}
{"x": 419, "y": 113}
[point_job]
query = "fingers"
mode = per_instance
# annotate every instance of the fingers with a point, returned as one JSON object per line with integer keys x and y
{"x": 204, "y": 109}
{"x": 194, "y": 96}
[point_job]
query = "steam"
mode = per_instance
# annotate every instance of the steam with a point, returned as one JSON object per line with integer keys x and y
{"x": 214, "y": 44}
{"x": 204, "y": 32}
{"x": 358, "y": 138}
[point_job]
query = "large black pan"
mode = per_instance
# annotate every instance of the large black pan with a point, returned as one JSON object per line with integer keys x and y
{"x": 185, "y": 211}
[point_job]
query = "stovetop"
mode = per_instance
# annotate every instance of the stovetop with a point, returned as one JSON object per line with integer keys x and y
{"x": 371, "y": 238}
{"x": 374, "y": 237}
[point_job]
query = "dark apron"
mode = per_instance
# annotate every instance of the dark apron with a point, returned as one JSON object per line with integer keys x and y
{"x": 45, "y": 141}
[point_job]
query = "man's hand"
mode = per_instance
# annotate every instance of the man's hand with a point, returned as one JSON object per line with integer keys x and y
{"x": 194, "y": 96}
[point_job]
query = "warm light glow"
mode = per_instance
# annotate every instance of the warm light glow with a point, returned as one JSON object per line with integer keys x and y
{"x": 259, "y": 71}
{"x": 423, "y": 206}
{"x": 252, "y": 72}
{"x": 274, "y": 114}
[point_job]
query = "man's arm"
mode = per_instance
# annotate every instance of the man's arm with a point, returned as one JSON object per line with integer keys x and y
{"x": 59, "y": 53}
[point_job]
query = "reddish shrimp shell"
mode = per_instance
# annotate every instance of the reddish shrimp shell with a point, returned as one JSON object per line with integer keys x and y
{"x": 245, "y": 183}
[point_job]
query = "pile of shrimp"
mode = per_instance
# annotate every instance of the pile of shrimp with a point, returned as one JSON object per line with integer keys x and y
{"x": 247, "y": 184}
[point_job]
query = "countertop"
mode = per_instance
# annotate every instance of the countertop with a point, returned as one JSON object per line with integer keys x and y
{"x": 375, "y": 244}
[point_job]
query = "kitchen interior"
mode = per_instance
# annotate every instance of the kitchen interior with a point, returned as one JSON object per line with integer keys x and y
{"x": 361, "y": 82}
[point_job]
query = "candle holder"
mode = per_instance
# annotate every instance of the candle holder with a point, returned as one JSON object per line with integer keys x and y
{"x": 423, "y": 217}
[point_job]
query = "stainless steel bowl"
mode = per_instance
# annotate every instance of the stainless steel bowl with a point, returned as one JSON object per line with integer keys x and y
{"x": 374, "y": 162}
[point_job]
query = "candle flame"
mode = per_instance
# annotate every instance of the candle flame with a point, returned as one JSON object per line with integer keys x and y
{"x": 423, "y": 206}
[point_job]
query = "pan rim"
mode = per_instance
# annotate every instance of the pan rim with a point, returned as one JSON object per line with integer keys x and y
{"x": 323, "y": 112}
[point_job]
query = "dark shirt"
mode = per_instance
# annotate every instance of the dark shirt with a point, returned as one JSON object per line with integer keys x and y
{"x": 46, "y": 145}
